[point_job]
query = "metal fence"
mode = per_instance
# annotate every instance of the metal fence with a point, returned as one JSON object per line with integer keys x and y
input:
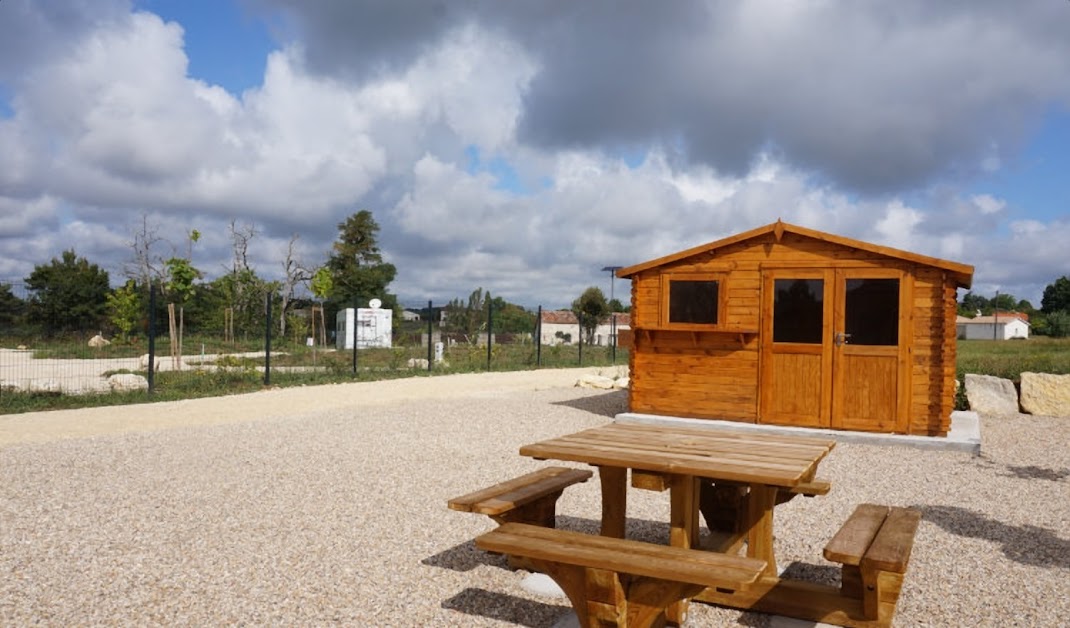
{"x": 219, "y": 344}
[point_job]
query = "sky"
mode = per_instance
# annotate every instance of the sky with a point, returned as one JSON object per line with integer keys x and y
{"x": 523, "y": 146}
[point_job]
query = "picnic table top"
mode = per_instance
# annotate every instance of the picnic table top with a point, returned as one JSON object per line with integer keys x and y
{"x": 716, "y": 454}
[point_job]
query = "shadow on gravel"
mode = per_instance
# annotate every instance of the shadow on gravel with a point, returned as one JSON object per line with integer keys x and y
{"x": 1028, "y": 545}
{"x": 608, "y": 404}
{"x": 463, "y": 557}
{"x": 1038, "y": 473}
{"x": 508, "y": 608}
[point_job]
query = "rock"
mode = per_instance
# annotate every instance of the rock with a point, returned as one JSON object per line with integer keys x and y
{"x": 417, "y": 363}
{"x": 98, "y": 341}
{"x": 991, "y": 395}
{"x": 22, "y": 348}
{"x": 621, "y": 383}
{"x": 143, "y": 362}
{"x": 596, "y": 381}
{"x": 127, "y": 382}
{"x": 1046, "y": 394}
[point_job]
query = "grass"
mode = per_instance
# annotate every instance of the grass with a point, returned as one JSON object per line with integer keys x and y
{"x": 1010, "y": 358}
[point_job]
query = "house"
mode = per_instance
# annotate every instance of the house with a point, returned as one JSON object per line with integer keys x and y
{"x": 1000, "y": 326}
{"x": 409, "y": 315}
{"x": 786, "y": 325}
{"x": 562, "y": 327}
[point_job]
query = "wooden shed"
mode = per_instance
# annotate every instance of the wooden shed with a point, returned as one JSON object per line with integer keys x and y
{"x": 785, "y": 325}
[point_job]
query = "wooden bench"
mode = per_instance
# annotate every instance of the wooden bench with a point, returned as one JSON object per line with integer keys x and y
{"x": 874, "y": 547}
{"x": 530, "y": 498}
{"x": 617, "y": 582}
{"x": 812, "y": 488}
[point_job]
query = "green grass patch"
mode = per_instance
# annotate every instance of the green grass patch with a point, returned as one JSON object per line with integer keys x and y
{"x": 1010, "y": 358}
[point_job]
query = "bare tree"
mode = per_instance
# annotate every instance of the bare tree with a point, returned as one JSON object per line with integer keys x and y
{"x": 294, "y": 274}
{"x": 240, "y": 236}
{"x": 146, "y": 266}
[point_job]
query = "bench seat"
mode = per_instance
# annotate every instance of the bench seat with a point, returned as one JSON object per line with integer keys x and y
{"x": 619, "y": 582}
{"x": 874, "y": 547}
{"x": 530, "y": 498}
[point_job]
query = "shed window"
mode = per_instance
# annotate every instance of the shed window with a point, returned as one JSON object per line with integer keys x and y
{"x": 798, "y": 310}
{"x": 693, "y": 301}
{"x": 872, "y": 311}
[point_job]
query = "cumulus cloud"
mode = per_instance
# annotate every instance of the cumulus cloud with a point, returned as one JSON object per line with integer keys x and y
{"x": 522, "y": 146}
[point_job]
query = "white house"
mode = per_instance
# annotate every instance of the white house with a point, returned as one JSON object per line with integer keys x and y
{"x": 562, "y": 327}
{"x": 1003, "y": 326}
{"x": 409, "y": 315}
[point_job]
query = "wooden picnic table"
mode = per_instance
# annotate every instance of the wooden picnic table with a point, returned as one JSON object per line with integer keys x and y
{"x": 681, "y": 459}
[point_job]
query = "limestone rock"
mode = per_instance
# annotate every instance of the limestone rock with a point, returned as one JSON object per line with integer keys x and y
{"x": 991, "y": 395}
{"x": 417, "y": 363}
{"x": 127, "y": 382}
{"x": 1046, "y": 394}
{"x": 143, "y": 362}
{"x": 621, "y": 383}
{"x": 596, "y": 381}
{"x": 98, "y": 341}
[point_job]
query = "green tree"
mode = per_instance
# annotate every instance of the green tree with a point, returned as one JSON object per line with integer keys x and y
{"x": 467, "y": 319}
{"x": 591, "y": 309}
{"x": 244, "y": 291}
{"x": 68, "y": 294}
{"x": 972, "y": 304}
{"x": 1056, "y": 296}
{"x": 124, "y": 309}
{"x": 1004, "y": 302}
{"x": 511, "y": 318}
{"x": 1056, "y": 324}
{"x": 356, "y": 264}
{"x": 12, "y": 307}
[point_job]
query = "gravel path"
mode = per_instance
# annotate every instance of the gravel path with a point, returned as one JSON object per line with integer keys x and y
{"x": 327, "y": 505}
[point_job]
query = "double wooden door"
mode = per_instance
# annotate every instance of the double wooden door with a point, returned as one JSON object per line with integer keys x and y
{"x": 835, "y": 347}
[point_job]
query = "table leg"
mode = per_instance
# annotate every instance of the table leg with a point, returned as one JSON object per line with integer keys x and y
{"x": 759, "y": 525}
{"x": 614, "y": 500}
{"x": 683, "y": 528}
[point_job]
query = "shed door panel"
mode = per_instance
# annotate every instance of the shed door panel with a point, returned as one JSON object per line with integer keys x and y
{"x": 797, "y": 355}
{"x": 869, "y": 356}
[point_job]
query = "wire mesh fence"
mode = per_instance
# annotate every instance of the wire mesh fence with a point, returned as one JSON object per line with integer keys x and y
{"x": 236, "y": 343}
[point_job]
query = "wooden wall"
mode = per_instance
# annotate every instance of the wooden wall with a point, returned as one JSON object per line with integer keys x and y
{"x": 716, "y": 375}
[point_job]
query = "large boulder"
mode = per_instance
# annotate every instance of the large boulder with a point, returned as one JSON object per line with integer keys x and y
{"x": 98, "y": 341}
{"x": 127, "y": 382}
{"x": 143, "y": 362}
{"x": 1046, "y": 394}
{"x": 991, "y": 395}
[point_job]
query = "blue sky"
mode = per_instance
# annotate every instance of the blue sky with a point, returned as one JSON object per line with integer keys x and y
{"x": 521, "y": 147}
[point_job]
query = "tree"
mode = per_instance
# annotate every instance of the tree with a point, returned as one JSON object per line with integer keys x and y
{"x": 972, "y": 304}
{"x": 124, "y": 309}
{"x": 467, "y": 319}
{"x": 590, "y": 309}
{"x": 69, "y": 293}
{"x": 1056, "y": 296}
{"x": 357, "y": 268}
{"x": 294, "y": 274}
{"x": 510, "y": 318}
{"x": 146, "y": 267}
{"x": 11, "y": 306}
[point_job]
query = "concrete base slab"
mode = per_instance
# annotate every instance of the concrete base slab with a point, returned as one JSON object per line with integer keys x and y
{"x": 964, "y": 435}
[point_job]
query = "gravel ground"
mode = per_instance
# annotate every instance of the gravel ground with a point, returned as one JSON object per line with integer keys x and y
{"x": 331, "y": 509}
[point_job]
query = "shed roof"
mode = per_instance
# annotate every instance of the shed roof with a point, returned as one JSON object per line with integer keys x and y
{"x": 962, "y": 273}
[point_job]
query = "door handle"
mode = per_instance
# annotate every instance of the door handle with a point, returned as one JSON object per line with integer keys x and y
{"x": 841, "y": 338}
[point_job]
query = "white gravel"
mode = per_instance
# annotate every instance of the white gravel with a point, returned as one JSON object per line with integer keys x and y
{"x": 327, "y": 505}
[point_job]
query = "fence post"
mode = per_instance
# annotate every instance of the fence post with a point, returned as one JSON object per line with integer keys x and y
{"x": 354, "y": 329}
{"x": 613, "y": 335}
{"x": 152, "y": 337}
{"x": 267, "y": 338}
{"x": 538, "y": 338}
{"x": 579, "y": 322}
{"x": 430, "y": 328}
{"x": 490, "y": 327}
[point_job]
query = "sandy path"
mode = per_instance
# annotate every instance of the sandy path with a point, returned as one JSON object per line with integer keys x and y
{"x": 61, "y": 424}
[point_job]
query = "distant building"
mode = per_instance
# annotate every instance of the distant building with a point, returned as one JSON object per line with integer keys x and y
{"x": 409, "y": 315}
{"x": 562, "y": 327}
{"x": 1001, "y": 326}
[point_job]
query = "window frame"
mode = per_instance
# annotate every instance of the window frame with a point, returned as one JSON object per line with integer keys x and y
{"x": 722, "y": 300}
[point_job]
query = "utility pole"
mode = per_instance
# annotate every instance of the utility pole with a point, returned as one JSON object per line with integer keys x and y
{"x": 612, "y": 276}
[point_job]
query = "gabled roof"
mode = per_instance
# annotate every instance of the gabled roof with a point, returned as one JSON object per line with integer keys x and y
{"x": 962, "y": 273}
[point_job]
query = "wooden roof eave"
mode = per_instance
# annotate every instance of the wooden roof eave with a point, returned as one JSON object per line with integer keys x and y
{"x": 962, "y": 274}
